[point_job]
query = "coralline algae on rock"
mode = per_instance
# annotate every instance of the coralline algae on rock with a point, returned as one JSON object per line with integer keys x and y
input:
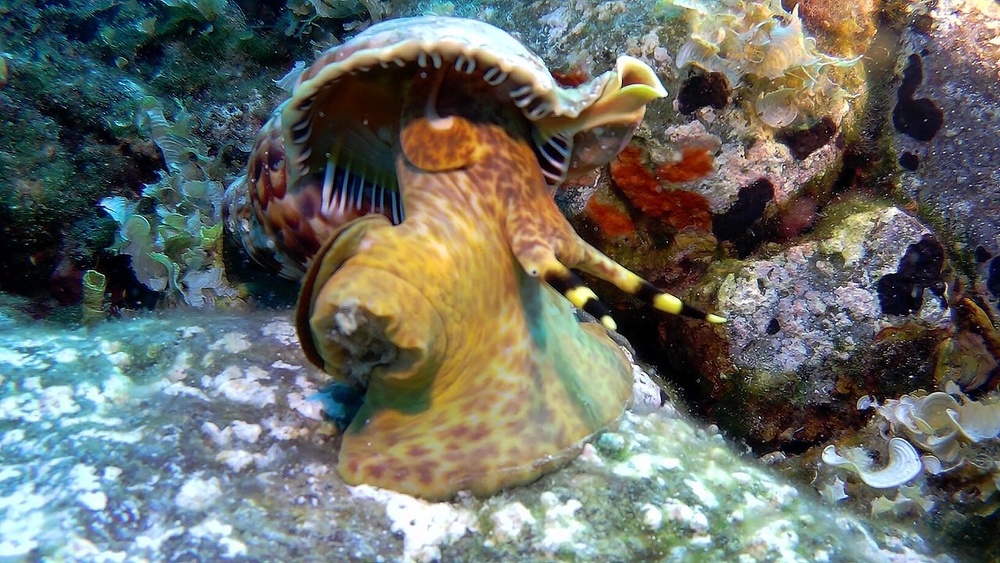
{"x": 807, "y": 322}
{"x": 822, "y": 295}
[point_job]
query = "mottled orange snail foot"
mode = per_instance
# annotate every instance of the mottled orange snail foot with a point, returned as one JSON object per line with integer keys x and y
{"x": 410, "y": 178}
{"x": 447, "y": 409}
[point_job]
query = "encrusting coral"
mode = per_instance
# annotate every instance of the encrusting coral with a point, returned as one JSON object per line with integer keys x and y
{"x": 436, "y": 255}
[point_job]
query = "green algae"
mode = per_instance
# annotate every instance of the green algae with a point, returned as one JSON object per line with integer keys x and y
{"x": 76, "y": 77}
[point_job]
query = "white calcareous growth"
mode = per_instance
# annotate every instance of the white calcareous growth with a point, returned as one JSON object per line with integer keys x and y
{"x": 939, "y": 423}
{"x": 198, "y": 494}
{"x": 904, "y": 464}
{"x": 424, "y": 526}
{"x": 509, "y": 522}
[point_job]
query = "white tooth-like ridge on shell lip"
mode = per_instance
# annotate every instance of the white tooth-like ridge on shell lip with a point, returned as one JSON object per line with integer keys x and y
{"x": 302, "y": 131}
{"x": 539, "y": 111}
{"x": 494, "y": 76}
{"x": 306, "y": 104}
{"x": 465, "y": 64}
{"x": 520, "y": 91}
{"x": 304, "y": 156}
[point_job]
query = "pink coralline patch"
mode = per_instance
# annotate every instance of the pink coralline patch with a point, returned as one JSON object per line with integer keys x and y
{"x": 675, "y": 208}
{"x": 798, "y": 217}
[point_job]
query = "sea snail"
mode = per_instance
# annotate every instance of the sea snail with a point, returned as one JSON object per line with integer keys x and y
{"x": 410, "y": 176}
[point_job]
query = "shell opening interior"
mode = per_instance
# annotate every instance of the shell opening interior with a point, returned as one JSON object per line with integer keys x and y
{"x": 554, "y": 154}
{"x": 343, "y": 136}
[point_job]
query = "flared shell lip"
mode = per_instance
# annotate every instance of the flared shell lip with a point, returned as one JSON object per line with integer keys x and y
{"x": 482, "y": 52}
{"x": 432, "y": 42}
{"x": 440, "y": 39}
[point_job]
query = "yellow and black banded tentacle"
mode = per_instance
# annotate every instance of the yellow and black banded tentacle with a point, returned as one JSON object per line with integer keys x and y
{"x": 596, "y": 263}
{"x": 582, "y": 297}
{"x": 540, "y": 261}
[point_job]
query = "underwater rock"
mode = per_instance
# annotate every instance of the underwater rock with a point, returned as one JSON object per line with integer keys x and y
{"x": 194, "y": 436}
{"x": 945, "y": 117}
{"x": 785, "y": 130}
{"x": 925, "y": 455}
{"x": 809, "y": 320}
{"x": 844, "y": 27}
{"x": 993, "y": 278}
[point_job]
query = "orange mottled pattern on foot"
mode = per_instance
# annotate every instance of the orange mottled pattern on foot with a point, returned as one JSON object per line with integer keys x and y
{"x": 493, "y": 381}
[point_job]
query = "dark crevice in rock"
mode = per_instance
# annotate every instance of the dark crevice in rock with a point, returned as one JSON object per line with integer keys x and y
{"x": 123, "y": 289}
{"x": 919, "y": 118}
{"x": 993, "y": 278}
{"x": 748, "y": 209}
{"x": 902, "y": 292}
{"x": 803, "y": 142}
{"x": 701, "y": 90}
{"x": 909, "y": 161}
